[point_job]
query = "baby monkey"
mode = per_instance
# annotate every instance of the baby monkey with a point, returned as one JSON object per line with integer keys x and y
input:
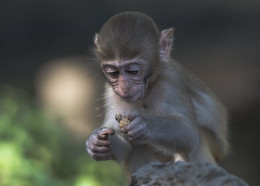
{"x": 172, "y": 114}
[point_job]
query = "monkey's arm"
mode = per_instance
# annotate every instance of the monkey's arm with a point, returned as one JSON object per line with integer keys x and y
{"x": 121, "y": 147}
{"x": 173, "y": 134}
{"x": 169, "y": 134}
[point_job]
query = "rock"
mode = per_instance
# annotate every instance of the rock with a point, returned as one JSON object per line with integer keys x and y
{"x": 184, "y": 174}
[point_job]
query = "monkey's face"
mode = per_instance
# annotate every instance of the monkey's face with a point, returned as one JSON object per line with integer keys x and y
{"x": 128, "y": 78}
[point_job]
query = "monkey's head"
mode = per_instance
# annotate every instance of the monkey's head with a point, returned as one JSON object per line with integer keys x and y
{"x": 130, "y": 49}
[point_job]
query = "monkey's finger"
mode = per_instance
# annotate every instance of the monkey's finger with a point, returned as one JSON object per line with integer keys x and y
{"x": 135, "y": 124}
{"x": 139, "y": 138}
{"x": 102, "y": 156}
{"x": 134, "y": 134}
{"x": 103, "y": 136}
{"x": 106, "y": 131}
{"x": 98, "y": 149}
{"x": 131, "y": 117}
{"x": 103, "y": 143}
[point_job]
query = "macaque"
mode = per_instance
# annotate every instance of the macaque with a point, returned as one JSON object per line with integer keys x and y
{"x": 173, "y": 115}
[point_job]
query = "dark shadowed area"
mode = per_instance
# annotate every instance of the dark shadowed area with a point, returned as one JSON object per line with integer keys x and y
{"x": 51, "y": 90}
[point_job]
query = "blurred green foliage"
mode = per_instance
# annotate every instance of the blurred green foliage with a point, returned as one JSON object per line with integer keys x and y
{"x": 36, "y": 151}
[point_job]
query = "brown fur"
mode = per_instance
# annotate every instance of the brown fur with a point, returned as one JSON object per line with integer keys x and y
{"x": 179, "y": 116}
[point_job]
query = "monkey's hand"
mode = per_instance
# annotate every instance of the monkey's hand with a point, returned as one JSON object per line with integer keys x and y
{"x": 137, "y": 130}
{"x": 98, "y": 145}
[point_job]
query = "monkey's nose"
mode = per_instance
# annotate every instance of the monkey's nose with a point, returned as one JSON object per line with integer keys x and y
{"x": 125, "y": 91}
{"x": 125, "y": 88}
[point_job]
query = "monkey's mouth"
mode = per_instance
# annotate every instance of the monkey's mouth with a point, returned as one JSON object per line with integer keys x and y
{"x": 127, "y": 97}
{"x": 132, "y": 98}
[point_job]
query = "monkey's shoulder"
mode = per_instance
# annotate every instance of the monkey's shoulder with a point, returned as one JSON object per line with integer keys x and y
{"x": 175, "y": 89}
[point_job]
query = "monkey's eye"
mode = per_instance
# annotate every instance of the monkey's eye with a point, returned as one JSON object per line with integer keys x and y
{"x": 132, "y": 72}
{"x": 113, "y": 74}
{"x": 111, "y": 71}
{"x": 132, "y": 69}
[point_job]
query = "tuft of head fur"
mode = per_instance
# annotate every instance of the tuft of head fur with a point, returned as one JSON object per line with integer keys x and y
{"x": 128, "y": 35}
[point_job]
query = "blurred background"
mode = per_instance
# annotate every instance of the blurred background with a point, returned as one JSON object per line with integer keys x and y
{"x": 51, "y": 91}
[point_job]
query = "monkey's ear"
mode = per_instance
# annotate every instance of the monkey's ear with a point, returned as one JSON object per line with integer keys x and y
{"x": 96, "y": 39}
{"x": 165, "y": 44}
{"x": 96, "y": 42}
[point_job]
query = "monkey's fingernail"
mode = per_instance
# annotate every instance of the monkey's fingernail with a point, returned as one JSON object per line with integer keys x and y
{"x": 103, "y": 136}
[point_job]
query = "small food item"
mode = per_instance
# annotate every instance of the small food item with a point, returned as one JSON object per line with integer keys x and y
{"x": 122, "y": 120}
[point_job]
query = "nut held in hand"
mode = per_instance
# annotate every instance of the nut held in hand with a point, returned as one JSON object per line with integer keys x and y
{"x": 122, "y": 120}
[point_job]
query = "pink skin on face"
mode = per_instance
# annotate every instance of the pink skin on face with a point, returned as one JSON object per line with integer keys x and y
{"x": 126, "y": 78}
